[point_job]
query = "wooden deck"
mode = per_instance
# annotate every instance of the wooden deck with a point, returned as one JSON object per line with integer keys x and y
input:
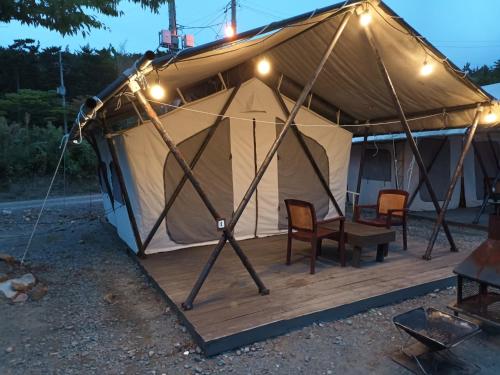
{"x": 229, "y": 313}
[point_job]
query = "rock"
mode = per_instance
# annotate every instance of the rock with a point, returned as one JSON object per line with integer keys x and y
{"x": 20, "y": 297}
{"x": 151, "y": 353}
{"x": 9, "y": 349}
{"x": 6, "y": 212}
{"x": 349, "y": 322}
{"x": 81, "y": 242}
{"x": 3, "y": 277}
{"x": 433, "y": 295}
{"x": 23, "y": 283}
{"x": 6, "y": 289}
{"x": 7, "y": 258}
{"x": 186, "y": 352}
{"x": 38, "y": 292}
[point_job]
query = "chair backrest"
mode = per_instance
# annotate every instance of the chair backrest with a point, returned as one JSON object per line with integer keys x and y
{"x": 301, "y": 215}
{"x": 391, "y": 199}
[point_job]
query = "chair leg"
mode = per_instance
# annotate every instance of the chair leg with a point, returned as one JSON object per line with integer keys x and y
{"x": 314, "y": 250}
{"x": 289, "y": 250}
{"x": 318, "y": 247}
{"x": 405, "y": 242}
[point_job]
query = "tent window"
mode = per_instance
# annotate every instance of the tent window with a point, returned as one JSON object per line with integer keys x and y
{"x": 378, "y": 165}
{"x": 188, "y": 220}
{"x": 484, "y": 149}
{"x": 117, "y": 192}
{"x": 440, "y": 171}
{"x": 296, "y": 178}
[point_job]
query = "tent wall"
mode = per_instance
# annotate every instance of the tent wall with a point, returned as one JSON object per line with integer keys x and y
{"x": 231, "y": 157}
{"x": 379, "y": 171}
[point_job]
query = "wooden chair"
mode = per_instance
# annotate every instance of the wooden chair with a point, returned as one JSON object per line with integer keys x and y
{"x": 303, "y": 226}
{"x": 391, "y": 210}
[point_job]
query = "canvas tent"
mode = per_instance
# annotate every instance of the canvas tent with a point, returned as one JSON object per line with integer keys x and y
{"x": 227, "y": 166}
{"x": 390, "y": 164}
{"x": 328, "y": 69}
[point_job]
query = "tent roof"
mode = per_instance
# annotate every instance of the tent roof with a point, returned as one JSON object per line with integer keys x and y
{"x": 350, "y": 80}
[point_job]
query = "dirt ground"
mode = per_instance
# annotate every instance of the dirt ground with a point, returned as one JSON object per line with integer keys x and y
{"x": 102, "y": 316}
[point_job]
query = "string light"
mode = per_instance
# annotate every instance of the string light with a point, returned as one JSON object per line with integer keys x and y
{"x": 263, "y": 66}
{"x": 229, "y": 31}
{"x": 156, "y": 91}
{"x": 365, "y": 18}
{"x": 490, "y": 117}
{"x": 426, "y": 69}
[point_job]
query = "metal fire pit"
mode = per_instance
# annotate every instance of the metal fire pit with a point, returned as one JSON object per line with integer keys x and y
{"x": 478, "y": 279}
{"x": 435, "y": 329}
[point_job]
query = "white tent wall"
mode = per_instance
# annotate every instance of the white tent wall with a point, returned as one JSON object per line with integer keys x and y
{"x": 440, "y": 177}
{"x": 473, "y": 175}
{"x": 146, "y": 153}
{"x": 117, "y": 215}
{"x": 382, "y": 156}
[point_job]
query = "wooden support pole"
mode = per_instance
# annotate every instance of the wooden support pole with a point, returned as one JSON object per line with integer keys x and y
{"x": 428, "y": 169}
{"x": 188, "y": 304}
{"x": 193, "y": 163}
{"x": 125, "y": 196}
{"x": 453, "y": 182}
{"x": 303, "y": 145}
{"x": 406, "y": 127}
{"x": 196, "y": 185}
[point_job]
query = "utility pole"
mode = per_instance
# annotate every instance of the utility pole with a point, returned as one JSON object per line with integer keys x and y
{"x": 172, "y": 17}
{"x": 61, "y": 90}
{"x": 233, "y": 15}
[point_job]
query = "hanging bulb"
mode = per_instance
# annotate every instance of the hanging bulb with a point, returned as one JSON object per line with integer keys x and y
{"x": 490, "y": 117}
{"x": 263, "y": 66}
{"x": 365, "y": 18}
{"x": 157, "y": 91}
{"x": 426, "y": 69}
{"x": 229, "y": 31}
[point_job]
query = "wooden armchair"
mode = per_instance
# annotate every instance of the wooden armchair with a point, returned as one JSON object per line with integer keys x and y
{"x": 303, "y": 226}
{"x": 391, "y": 210}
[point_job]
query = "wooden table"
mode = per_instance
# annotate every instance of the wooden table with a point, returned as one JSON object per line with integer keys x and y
{"x": 362, "y": 235}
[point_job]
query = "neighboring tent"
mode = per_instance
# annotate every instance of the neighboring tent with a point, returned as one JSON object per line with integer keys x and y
{"x": 226, "y": 168}
{"x": 388, "y": 158}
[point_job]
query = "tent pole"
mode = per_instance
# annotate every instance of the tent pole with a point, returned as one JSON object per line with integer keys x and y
{"x": 361, "y": 168}
{"x": 309, "y": 155}
{"x": 123, "y": 188}
{"x": 428, "y": 169}
{"x": 188, "y": 304}
{"x": 196, "y": 185}
{"x": 486, "y": 181}
{"x": 193, "y": 163}
{"x": 407, "y": 130}
{"x": 453, "y": 182}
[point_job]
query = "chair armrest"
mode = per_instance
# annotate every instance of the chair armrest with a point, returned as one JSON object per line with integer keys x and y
{"x": 390, "y": 212}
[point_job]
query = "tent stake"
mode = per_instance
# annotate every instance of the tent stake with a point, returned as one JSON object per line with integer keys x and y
{"x": 193, "y": 163}
{"x": 407, "y": 130}
{"x": 453, "y": 182}
{"x": 123, "y": 188}
{"x": 309, "y": 155}
{"x": 428, "y": 169}
{"x": 188, "y": 304}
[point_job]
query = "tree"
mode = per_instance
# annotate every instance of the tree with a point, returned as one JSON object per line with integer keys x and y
{"x": 67, "y": 17}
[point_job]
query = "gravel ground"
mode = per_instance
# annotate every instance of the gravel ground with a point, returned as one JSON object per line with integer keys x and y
{"x": 101, "y": 315}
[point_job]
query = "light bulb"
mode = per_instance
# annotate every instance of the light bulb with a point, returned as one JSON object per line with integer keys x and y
{"x": 426, "y": 69}
{"x": 156, "y": 91}
{"x": 490, "y": 117}
{"x": 229, "y": 31}
{"x": 365, "y": 18}
{"x": 264, "y": 67}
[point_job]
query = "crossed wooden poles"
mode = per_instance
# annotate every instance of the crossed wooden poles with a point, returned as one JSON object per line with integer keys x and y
{"x": 227, "y": 235}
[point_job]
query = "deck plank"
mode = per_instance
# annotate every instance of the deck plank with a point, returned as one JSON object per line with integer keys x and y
{"x": 228, "y": 306}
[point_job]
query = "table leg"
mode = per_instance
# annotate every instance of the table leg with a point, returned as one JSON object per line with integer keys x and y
{"x": 356, "y": 256}
{"x": 382, "y": 250}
